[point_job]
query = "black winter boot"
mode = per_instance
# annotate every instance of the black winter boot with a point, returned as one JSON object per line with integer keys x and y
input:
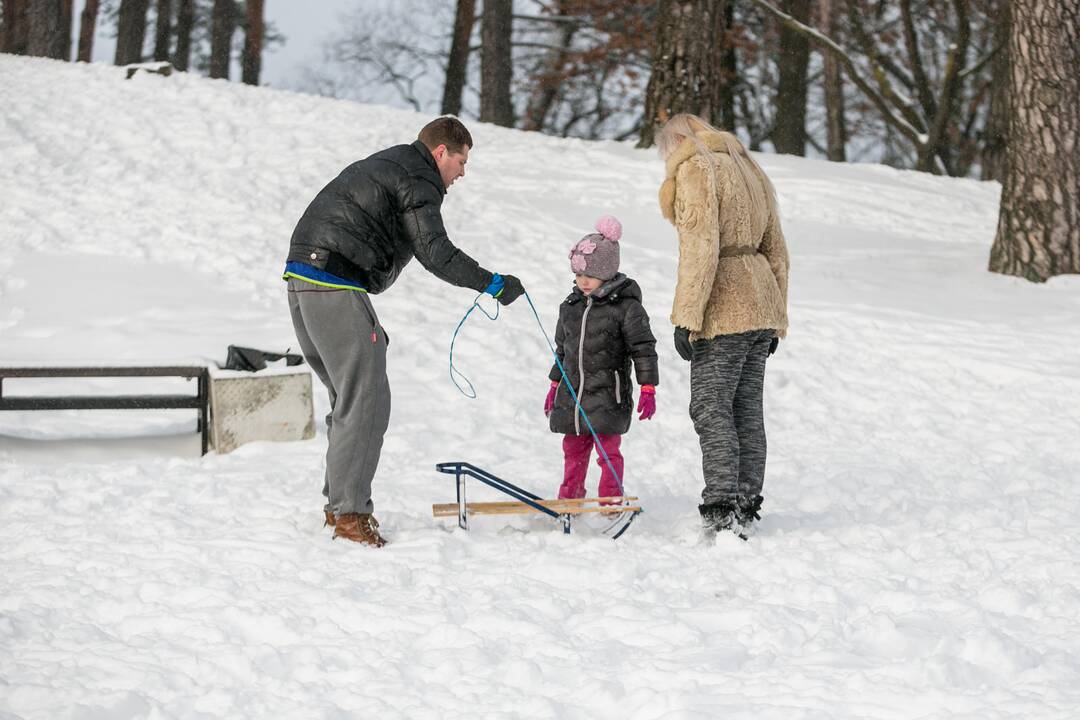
{"x": 749, "y": 509}
{"x": 720, "y": 516}
{"x": 747, "y": 512}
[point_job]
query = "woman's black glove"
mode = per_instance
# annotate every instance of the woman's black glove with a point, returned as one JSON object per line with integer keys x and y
{"x": 682, "y": 344}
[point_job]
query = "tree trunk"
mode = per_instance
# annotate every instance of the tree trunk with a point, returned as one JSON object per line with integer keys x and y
{"x": 223, "y": 23}
{"x": 131, "y": 31}
{"x": 996, "y": 134}
{"x": 1038, "y": 234}
{"x": 548, "y": 78}
{"x": 251, "y": 65}
{"x": 835, "y": 124}
{"x": 496, "y": 69}
{"x": 13, "y": 35}
{"x": 87, "y": 26}
{"x": 17, "y": 31}
{"x": 45, "y": 29}
{"x": 730, "y": 76}
{"x": 457, "y": 65}
{"x": 67, "y": 13}
{"x": 185, "y": 22}
{"x": 688, "y": 73}
{"x": 163, "y": 30}
{"x": 789, "y": 128}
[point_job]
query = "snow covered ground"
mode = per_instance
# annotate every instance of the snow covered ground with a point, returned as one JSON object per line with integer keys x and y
{"x": 917, "y": 557}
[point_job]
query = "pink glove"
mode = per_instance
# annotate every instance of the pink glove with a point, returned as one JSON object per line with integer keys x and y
{"x": 646, "y": 404}
{"x": 549, "y": 401}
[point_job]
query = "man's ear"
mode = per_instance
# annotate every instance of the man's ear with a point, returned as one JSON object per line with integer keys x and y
{"x": 439, "y": 152}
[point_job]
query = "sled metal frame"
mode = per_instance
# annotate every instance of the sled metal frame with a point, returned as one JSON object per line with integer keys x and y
{"x": 461, "y": 470}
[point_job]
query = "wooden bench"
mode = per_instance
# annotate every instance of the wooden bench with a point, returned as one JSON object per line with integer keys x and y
{"x": 200, "y": 401}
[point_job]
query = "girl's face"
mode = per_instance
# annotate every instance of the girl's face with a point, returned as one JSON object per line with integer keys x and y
{"x": 587, "y": 284}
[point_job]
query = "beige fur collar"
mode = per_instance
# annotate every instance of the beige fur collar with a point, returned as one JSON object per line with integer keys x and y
{"x": 683, "y": 152}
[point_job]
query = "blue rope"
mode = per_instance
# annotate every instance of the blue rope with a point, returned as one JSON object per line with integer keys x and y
{"x": 471, "y": 394}
{"x": 558, "y": 362}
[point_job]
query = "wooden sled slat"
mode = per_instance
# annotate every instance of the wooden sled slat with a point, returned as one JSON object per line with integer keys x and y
{"x": 614, "y": 500}
{"x": 569, "y": 507}
{"x": 552, "y": 503}
{"x": 618, "y": 513}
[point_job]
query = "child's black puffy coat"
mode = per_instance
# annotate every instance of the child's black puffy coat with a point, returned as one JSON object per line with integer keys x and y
{"x": 596, "y": 338}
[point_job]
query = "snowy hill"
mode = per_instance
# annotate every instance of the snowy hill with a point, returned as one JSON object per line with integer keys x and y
{"x": 918, "y": 552}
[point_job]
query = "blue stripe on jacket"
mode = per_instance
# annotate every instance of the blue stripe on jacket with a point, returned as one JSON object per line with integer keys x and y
{"x": 303, "y": 271}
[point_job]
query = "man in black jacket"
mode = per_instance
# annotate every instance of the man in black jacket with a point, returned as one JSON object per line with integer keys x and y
{"x": 352, "y": 242}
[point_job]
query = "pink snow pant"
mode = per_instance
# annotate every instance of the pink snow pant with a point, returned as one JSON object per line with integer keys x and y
{"x": 576, "y": 452}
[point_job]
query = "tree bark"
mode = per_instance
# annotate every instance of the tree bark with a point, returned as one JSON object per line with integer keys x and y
{"x": 185, "y": 22}
{"x": 223, "y": 23}
{"x": 67, "y": 13}
{"x": 16, "y": 20}
{"x": 87, "y": 26}
{"x": 496, "y": 70}
{"x": 835, "y": 123}
{"x": 730, "y": 76}
{"x": 688, "y": 73}
{"x": 457, "y": 65}
{"x": 994, "y": 160}
{"x": 789, "y": 129}
{"x": 163, "y": 30}
{"x": 255, "y": 29}
{"x": 1038, "y": 233}
{"x": 45, "y": 29}
{"x": 131, "y": 31}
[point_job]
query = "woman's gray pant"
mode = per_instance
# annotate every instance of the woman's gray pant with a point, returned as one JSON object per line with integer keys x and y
{"x": 343, "y": 342}
{"x": 727, "y": 375}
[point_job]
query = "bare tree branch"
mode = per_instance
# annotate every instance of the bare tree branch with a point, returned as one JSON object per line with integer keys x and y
{"x": 911, "y": 40}
{"x": 880, "y": 102}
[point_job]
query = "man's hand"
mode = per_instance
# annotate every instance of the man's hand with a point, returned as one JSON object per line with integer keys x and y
{"x": 682, "y": 344}
{"x": 512, "y": 290}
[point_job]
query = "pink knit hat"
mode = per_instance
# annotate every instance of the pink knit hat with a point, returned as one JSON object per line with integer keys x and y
{"x": 597, "y": 254}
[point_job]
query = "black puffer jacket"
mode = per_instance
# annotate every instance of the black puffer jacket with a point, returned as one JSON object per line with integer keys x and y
{"x": 595, "y": 339}
{"x": 369, "y": 222}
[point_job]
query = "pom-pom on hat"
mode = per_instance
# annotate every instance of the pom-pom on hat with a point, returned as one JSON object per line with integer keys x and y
{"x": 597, "y": 254}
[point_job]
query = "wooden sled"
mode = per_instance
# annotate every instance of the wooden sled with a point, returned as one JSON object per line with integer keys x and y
{"x": 621, "y": 511}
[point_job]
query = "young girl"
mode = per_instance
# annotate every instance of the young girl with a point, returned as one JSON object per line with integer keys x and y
{"x": 602, "y": 326}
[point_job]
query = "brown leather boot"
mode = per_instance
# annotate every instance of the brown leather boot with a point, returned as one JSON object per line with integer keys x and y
{"x": 359, "y": 527}
{"x": 330, "y": 519}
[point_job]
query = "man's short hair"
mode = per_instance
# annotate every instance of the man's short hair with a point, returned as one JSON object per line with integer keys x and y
{"x": 446, "y": 130}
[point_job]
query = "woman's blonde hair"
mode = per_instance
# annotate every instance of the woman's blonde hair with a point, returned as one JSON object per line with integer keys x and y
{"x": 685, "y": 126}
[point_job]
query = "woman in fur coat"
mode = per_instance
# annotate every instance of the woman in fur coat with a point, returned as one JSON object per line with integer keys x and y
{"x": 730, "y": 307}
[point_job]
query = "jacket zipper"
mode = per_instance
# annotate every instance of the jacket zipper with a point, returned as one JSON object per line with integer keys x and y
{"x": 618, "y": 393}
{"x": 581, "y": 367}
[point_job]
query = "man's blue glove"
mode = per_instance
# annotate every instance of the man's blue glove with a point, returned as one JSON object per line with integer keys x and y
{"x": 495, "y": 286}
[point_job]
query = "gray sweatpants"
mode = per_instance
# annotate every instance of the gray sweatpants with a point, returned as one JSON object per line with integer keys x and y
{"x": 727, "y": 375}
{"x": 343, "y": 342}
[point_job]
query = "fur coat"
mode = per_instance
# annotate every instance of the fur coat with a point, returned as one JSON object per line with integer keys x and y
{"x": 733, "y": 262}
